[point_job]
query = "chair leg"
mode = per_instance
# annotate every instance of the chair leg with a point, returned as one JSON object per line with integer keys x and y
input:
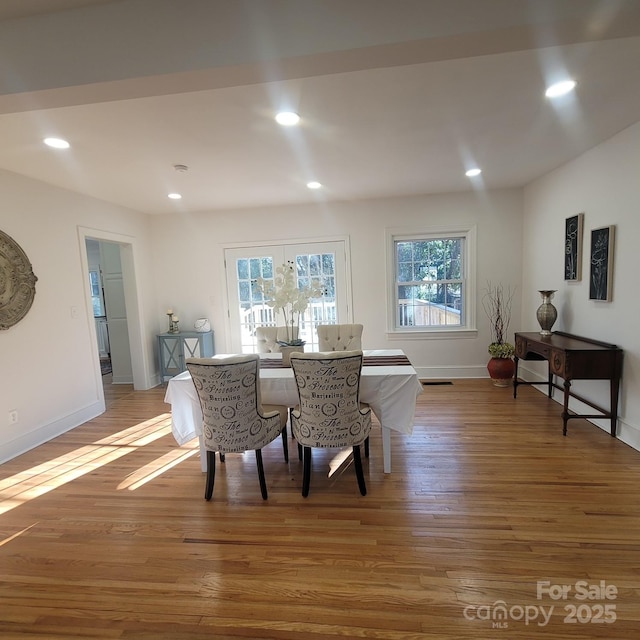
{"x": 263, "y": 483}
{"x": 366, "y": 447}
{"x": 285, "y": 444}
{"x": 211, "y": 474}
{"x": 359, "y": 473}
{"x": 299, "y": 451}
{"x": 306, "y": 471}
{"x": 222, "y": 458}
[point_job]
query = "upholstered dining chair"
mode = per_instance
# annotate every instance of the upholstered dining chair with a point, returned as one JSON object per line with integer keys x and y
{"x": 339, "y": 337}
{"x": 267, "y": 338}
{"x": 234, "y": 418}
{"x": 329, "y": 413}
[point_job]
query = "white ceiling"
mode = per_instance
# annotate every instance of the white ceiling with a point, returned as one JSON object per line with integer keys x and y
{"x": 24, "y": 8}
{"x": 407, "y": 123}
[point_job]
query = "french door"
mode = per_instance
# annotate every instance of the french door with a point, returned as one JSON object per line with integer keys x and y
{"x": 323, "y": 262}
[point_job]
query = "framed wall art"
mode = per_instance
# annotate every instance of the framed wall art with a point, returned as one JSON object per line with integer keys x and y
{"x": 573, "y": 248}
{"x": 601, "y": 264}
{"x": 17, "y": 282}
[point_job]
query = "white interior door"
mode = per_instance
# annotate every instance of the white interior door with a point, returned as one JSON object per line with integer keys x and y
{"x": 325, "y": 262}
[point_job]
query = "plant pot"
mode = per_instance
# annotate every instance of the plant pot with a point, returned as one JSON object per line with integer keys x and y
{"x": 501, "y": 371}
{"x": 287, "y": 351}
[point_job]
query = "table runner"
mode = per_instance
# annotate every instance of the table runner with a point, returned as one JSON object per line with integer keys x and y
{"x": 368, "y": 361}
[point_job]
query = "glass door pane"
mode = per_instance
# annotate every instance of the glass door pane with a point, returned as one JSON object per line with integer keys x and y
{"x": 317, "y": 267}
{"x": 322, "y": 263}
{"x": 247, "y": 307}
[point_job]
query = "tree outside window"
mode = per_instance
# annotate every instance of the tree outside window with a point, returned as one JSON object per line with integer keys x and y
{"x": 430, "y": 282}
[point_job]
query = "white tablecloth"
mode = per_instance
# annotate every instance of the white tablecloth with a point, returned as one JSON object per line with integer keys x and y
{"x": 391, "y": 391}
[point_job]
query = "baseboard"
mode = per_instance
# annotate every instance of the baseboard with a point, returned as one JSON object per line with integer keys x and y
{"x": 628, "y": 434}
{"x": 28, "y": 441}
{"x": 121, "y": 379}
{"x": 452, "y": 372}
{"x": 625, "y": 432}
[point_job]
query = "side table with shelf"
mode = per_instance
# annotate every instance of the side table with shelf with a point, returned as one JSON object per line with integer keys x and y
{"x": 175, "y": 348}
{"x": 573, "y": 358}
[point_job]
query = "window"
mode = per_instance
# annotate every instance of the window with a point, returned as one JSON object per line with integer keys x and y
{"x": 96, "y": 294}
{"x": 431, "y": 289}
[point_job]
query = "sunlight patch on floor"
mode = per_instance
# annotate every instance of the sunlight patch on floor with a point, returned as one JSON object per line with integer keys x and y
{"x": 339, "y": 459}
{"x": 17, "y": 534}
{"x": 39, "y": 480}
{"x": 158, "y": 467}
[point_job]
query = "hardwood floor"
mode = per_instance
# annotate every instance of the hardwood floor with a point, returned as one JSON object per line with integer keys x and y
{"x": 104, "y": 532}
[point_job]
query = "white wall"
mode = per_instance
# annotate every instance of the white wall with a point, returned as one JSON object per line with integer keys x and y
{"x": 49, "y": 369}
{"x": 604, "y": 184}
{"x": 189, "y": 262}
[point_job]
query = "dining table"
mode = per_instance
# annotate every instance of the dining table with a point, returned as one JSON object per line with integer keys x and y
{"x": 388, "y": 384}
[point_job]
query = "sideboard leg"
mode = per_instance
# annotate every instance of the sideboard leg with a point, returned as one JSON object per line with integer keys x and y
{"x": 614, "y": 389}
{"x": 565, "y": 406}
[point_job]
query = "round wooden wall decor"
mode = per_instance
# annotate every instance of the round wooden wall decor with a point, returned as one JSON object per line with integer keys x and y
{"x": 17, "y": 282}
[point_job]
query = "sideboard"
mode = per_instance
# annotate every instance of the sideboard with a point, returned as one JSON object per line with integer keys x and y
{"x": 174, "y": 348}
{"x": 573, "y": 357}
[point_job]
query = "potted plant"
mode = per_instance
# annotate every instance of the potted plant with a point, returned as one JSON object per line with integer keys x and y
{"x": 497, "y": 305}
{"x": 283, "y": 294}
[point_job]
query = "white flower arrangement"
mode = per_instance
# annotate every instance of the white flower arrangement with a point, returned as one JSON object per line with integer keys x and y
{"x": 283, "y": 294}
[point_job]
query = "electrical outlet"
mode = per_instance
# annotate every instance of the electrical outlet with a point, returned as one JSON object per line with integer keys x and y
{"x": 13, "y": 417}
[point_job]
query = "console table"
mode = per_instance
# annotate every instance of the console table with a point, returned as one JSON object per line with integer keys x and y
{"x": 573, "y": 358}
{"x": 175, "y": 348}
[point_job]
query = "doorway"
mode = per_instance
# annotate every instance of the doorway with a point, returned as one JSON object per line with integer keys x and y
{"x": 109, "y": 310}
{"x": 121, "y": 307}
{"x": 322, "y": 261}
{"x": 99, "y": 308}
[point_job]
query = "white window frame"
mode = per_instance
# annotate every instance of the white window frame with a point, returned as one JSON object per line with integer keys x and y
{"x": 281, "y": 252}
{"x": 466, "y": 330}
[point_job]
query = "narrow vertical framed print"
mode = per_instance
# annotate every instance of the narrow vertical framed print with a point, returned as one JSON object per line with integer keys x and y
{"x": 601, "y": 263}
{"x": 573, "y": 248}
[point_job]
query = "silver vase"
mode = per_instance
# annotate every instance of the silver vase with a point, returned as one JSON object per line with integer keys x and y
{"x": 546, "y": 312}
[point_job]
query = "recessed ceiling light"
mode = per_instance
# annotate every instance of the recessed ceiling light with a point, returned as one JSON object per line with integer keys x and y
{"x": 174, "y": 196}
{"x": 473, "y": 172}
{"x": 287, "y": 118}
{"x": 313, "y": 185}
{"x": 560, "y": 88}
{"x": 56, "y": 143}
